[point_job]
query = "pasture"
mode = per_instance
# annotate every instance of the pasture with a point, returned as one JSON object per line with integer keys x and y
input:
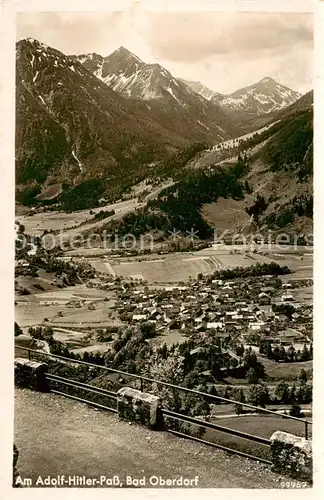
{"x": 36, "y": 223}
{"x": 55, "y": 305}
{"x": 260, "y": 425}
{"x": 286, "y": 371}
{"x": 178, "y": 267}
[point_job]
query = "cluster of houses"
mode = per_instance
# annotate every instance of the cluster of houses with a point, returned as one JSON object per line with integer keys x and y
{"x": 250, "y": 308}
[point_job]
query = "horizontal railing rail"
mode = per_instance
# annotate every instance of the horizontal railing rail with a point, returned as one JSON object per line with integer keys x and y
{"x": 82, "y": 400}
{"x": 210, "y": 425}
{"x": 81, "y": 385}
{"x": 164, "y": 413}
{"x": 142, "y": 378}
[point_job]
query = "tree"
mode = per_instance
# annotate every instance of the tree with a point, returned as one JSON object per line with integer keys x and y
{"x": 227, "y": 393}
{"x": 282, "y": 392}
{"x": 239, "y": 396}
{"x": 308, "y": 398}
{"x": 238, "y": 409}
{"x": 171, "y": 371}
{"x": 202, "y": 408}
{"x": 18, "y": 330}
{"x": 258, "y": 395}
{"x": 240, "y": 350}
{"x": 233, "y": 363}
{"x": 301, "y": 392}
{"x": 263, "y": 346}
{"x": 251, "y": 361}
{"x": 311, "y": 351}
{"x": 292, "y": 394}
{"x": 282, "y": 353}
{"x": 295, "y": 411}
{"x": 276, "y": 353}
{"x": 305, "y": 355}
{"x": 291, "y": 353}
{"x": 148, "y": 329}
{"x": 269, "y": 353}
{"x": 302, "y": 376}
{"x": 252, "y": 376}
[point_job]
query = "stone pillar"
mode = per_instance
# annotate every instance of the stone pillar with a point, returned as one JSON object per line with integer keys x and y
{"x": 139, "y": 407}
{"x": 15, "y": 472}
{"x": 31, "y": 374}
{"x": 292, "y": 455}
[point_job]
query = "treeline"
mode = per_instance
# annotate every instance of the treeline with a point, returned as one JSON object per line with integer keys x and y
{"x": 70, "y": 273}
{"x": 302, "y": 394}
{"x": 27, "y": 196}
{"x": 174, "y": 165}
{"x": 258, "y": 207}
{"x": 182, "y": 202}
{"x": 81, "y": 197}
{"x": 118, "y": 180}
{"x": 259, "y": 395}
{"x": 292, "y": 147}
{"x": 259, "y": 137}
{"x": 178, "y": 365}
{"x": 177, "y": 209}
{"x": 288, "y": 355}
{"x": 301, "y": 206}
{"x": 103, "y": 214}
{"x": 271, "y": 268}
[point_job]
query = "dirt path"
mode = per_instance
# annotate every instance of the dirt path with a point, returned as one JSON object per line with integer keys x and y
{"x": 57, "y": 436}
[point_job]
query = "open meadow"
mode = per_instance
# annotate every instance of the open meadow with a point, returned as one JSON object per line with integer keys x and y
{"x": 77, "y": 305}
{"x": 260, "y": 425}
{"x": 177, "y": 267}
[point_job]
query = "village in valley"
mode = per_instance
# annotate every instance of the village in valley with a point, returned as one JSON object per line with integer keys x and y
{"x": 263, "y": 310}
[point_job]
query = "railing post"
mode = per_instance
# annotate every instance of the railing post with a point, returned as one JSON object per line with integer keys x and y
{"x": 29, "y": 354}
{"x": 141, "y": 384}
{"x": 306, "y": 429}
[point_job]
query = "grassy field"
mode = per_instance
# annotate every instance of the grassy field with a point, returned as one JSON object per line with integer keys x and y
{"x": 262, "y": 426}
{"x": 179, "y": 266}
{"x": 170, "y": 338}
{"x": 29, "y": 314}
{"x": 228, "y": 214}
{"x": 36, "y": 224}
{"x": 304, "y": 295}
{"x": 52, "y": 304}
{"x": 285, "y": 371}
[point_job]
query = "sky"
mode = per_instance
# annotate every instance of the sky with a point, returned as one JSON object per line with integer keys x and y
{"x": 223, "y": 50}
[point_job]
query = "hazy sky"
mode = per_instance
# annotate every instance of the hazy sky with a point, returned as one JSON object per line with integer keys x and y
{"x": 225, "y": 51}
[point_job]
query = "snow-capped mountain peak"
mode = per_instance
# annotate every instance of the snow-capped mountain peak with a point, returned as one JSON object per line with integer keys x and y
{"x": 126, "y": 73}
{"x": 265, "y": 96}
{"x": 154, "y": 89}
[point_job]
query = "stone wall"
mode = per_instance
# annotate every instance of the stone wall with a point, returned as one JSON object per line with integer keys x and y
{"x": 292, "y": 455}
{"x": 140, "y": 407}
{"x": 31, "y": 374}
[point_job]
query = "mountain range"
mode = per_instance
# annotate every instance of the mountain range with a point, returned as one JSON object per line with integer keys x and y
{"x": 114, "y": 120}
{"x": 265, "y": 96}
{"x": 167, "y": 100}
{"x": 124, "y": 72}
